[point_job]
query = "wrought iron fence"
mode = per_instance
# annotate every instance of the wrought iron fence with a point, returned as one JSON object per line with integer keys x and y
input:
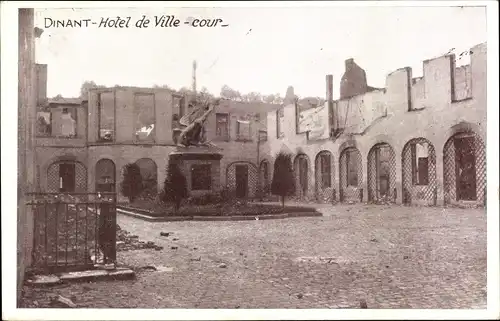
{"x": 73, "y": 231}
{"x": 419, "y": 173}
{"x": 464, "y": 169}
{"x": 382, "y": 174}
{"x": 351, "y": 175}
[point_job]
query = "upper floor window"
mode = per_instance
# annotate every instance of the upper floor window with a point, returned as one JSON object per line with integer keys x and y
{"x": 145, "y": 120}
{"x": 222, "y": 126}
{"x": 106, "y": 116}
{"x": 262, "y": 135}
{"x": 57, "y": 122}
{"x": 280, "y": 122}
{"x": 243, "y": 129}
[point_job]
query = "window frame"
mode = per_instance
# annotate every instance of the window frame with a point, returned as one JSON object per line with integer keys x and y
{"x": 225, "y": 137}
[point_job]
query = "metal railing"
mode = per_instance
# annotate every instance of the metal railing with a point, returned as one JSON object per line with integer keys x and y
{"x": 73, "y": 231}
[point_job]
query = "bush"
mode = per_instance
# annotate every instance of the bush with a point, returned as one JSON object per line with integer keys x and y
{"x": 283, "y": 183}
{"x": 174, "y": 187}
{"x": 131, "y": 185}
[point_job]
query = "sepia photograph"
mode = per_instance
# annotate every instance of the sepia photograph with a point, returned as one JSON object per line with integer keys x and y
{"x": 273, "y": 160}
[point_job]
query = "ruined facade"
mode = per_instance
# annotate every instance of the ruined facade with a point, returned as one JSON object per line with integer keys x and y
{"x": 416, "y": 141}
{"x": 83, "y": 145}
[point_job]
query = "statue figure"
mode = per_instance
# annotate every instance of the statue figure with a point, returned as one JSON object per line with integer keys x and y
{"x": 193, "y": 133}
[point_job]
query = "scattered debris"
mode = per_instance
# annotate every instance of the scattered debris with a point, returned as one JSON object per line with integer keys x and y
{"x": 158, "y": 248}
{"x": 41, "y": 280}
{"x": 62, "y": 302}
{"x": 374, "y": 240}
{"x": 300, "y": 296}
{"x": 328, "y": 260}
{"x": 241, "y": 253}
{"x": 406, "y": 257}
{"x": 223, "y": 265}
{"x": 128, "y": 242}
{"x": 148, "y": 268}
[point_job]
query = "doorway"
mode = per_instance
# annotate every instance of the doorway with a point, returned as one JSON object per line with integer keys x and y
{"x": 241, "y": 181}
{"x": 465, "y": 168}
{"x": 67, "y": 177}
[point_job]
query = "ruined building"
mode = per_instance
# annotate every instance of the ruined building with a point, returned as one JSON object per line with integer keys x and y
{"x": 416, "y": 141}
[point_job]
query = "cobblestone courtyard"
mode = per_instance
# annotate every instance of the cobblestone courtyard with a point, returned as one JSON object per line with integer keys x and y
{"x": 389, "y": 256}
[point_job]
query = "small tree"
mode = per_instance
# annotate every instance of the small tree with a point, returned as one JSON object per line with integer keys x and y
{"x": 283, "y": 183}
{"x": 175, "y": 186}
{"x": 131, "y": 185}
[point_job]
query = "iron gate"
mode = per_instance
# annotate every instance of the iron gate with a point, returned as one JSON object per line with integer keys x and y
{"x": 419, "y": 173}
{"x": 382, "y": 174}
{"x": 264, "y": 179}
{"x": 301, "y": 169}
{"x": 73, "y": 231}
{"x": 351, "y": 175}
{"x": 455, "y": 171}
{"x": 251, "y": 179}
{"x": 325, "y": 177}
{"x": 54, "y": 176}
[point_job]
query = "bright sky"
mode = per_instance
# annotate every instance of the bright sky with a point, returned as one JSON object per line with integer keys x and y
{"x": 285, "y": 47}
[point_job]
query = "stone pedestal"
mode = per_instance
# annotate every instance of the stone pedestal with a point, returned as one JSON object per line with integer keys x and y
{"x": 195, "y": 162}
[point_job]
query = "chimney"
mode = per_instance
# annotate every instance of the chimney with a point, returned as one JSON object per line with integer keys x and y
{"x": 329, "y": 100}
{"x": 329, "y": 88}
{"x": 349, "y": 63}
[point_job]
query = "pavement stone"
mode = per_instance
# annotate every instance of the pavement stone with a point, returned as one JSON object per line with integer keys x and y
{"x": 389, "y": 256}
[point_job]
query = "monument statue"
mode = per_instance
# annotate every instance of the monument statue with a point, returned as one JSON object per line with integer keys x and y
{"x": 193, "y": 132}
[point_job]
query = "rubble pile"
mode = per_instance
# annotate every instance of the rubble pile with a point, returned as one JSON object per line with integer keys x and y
{"x": 128, "y": 242}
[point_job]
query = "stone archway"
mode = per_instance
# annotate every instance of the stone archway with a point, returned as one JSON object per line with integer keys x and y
{"x": 149, "y": 173}
{"x": 381, "y": 181}
{"x": 105, "y": 176}
{"x": 418, "y": 163}
{"x": 464, "y": 169}
{"x": 325, "y": 177}
{"x": 350, "y": 175}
